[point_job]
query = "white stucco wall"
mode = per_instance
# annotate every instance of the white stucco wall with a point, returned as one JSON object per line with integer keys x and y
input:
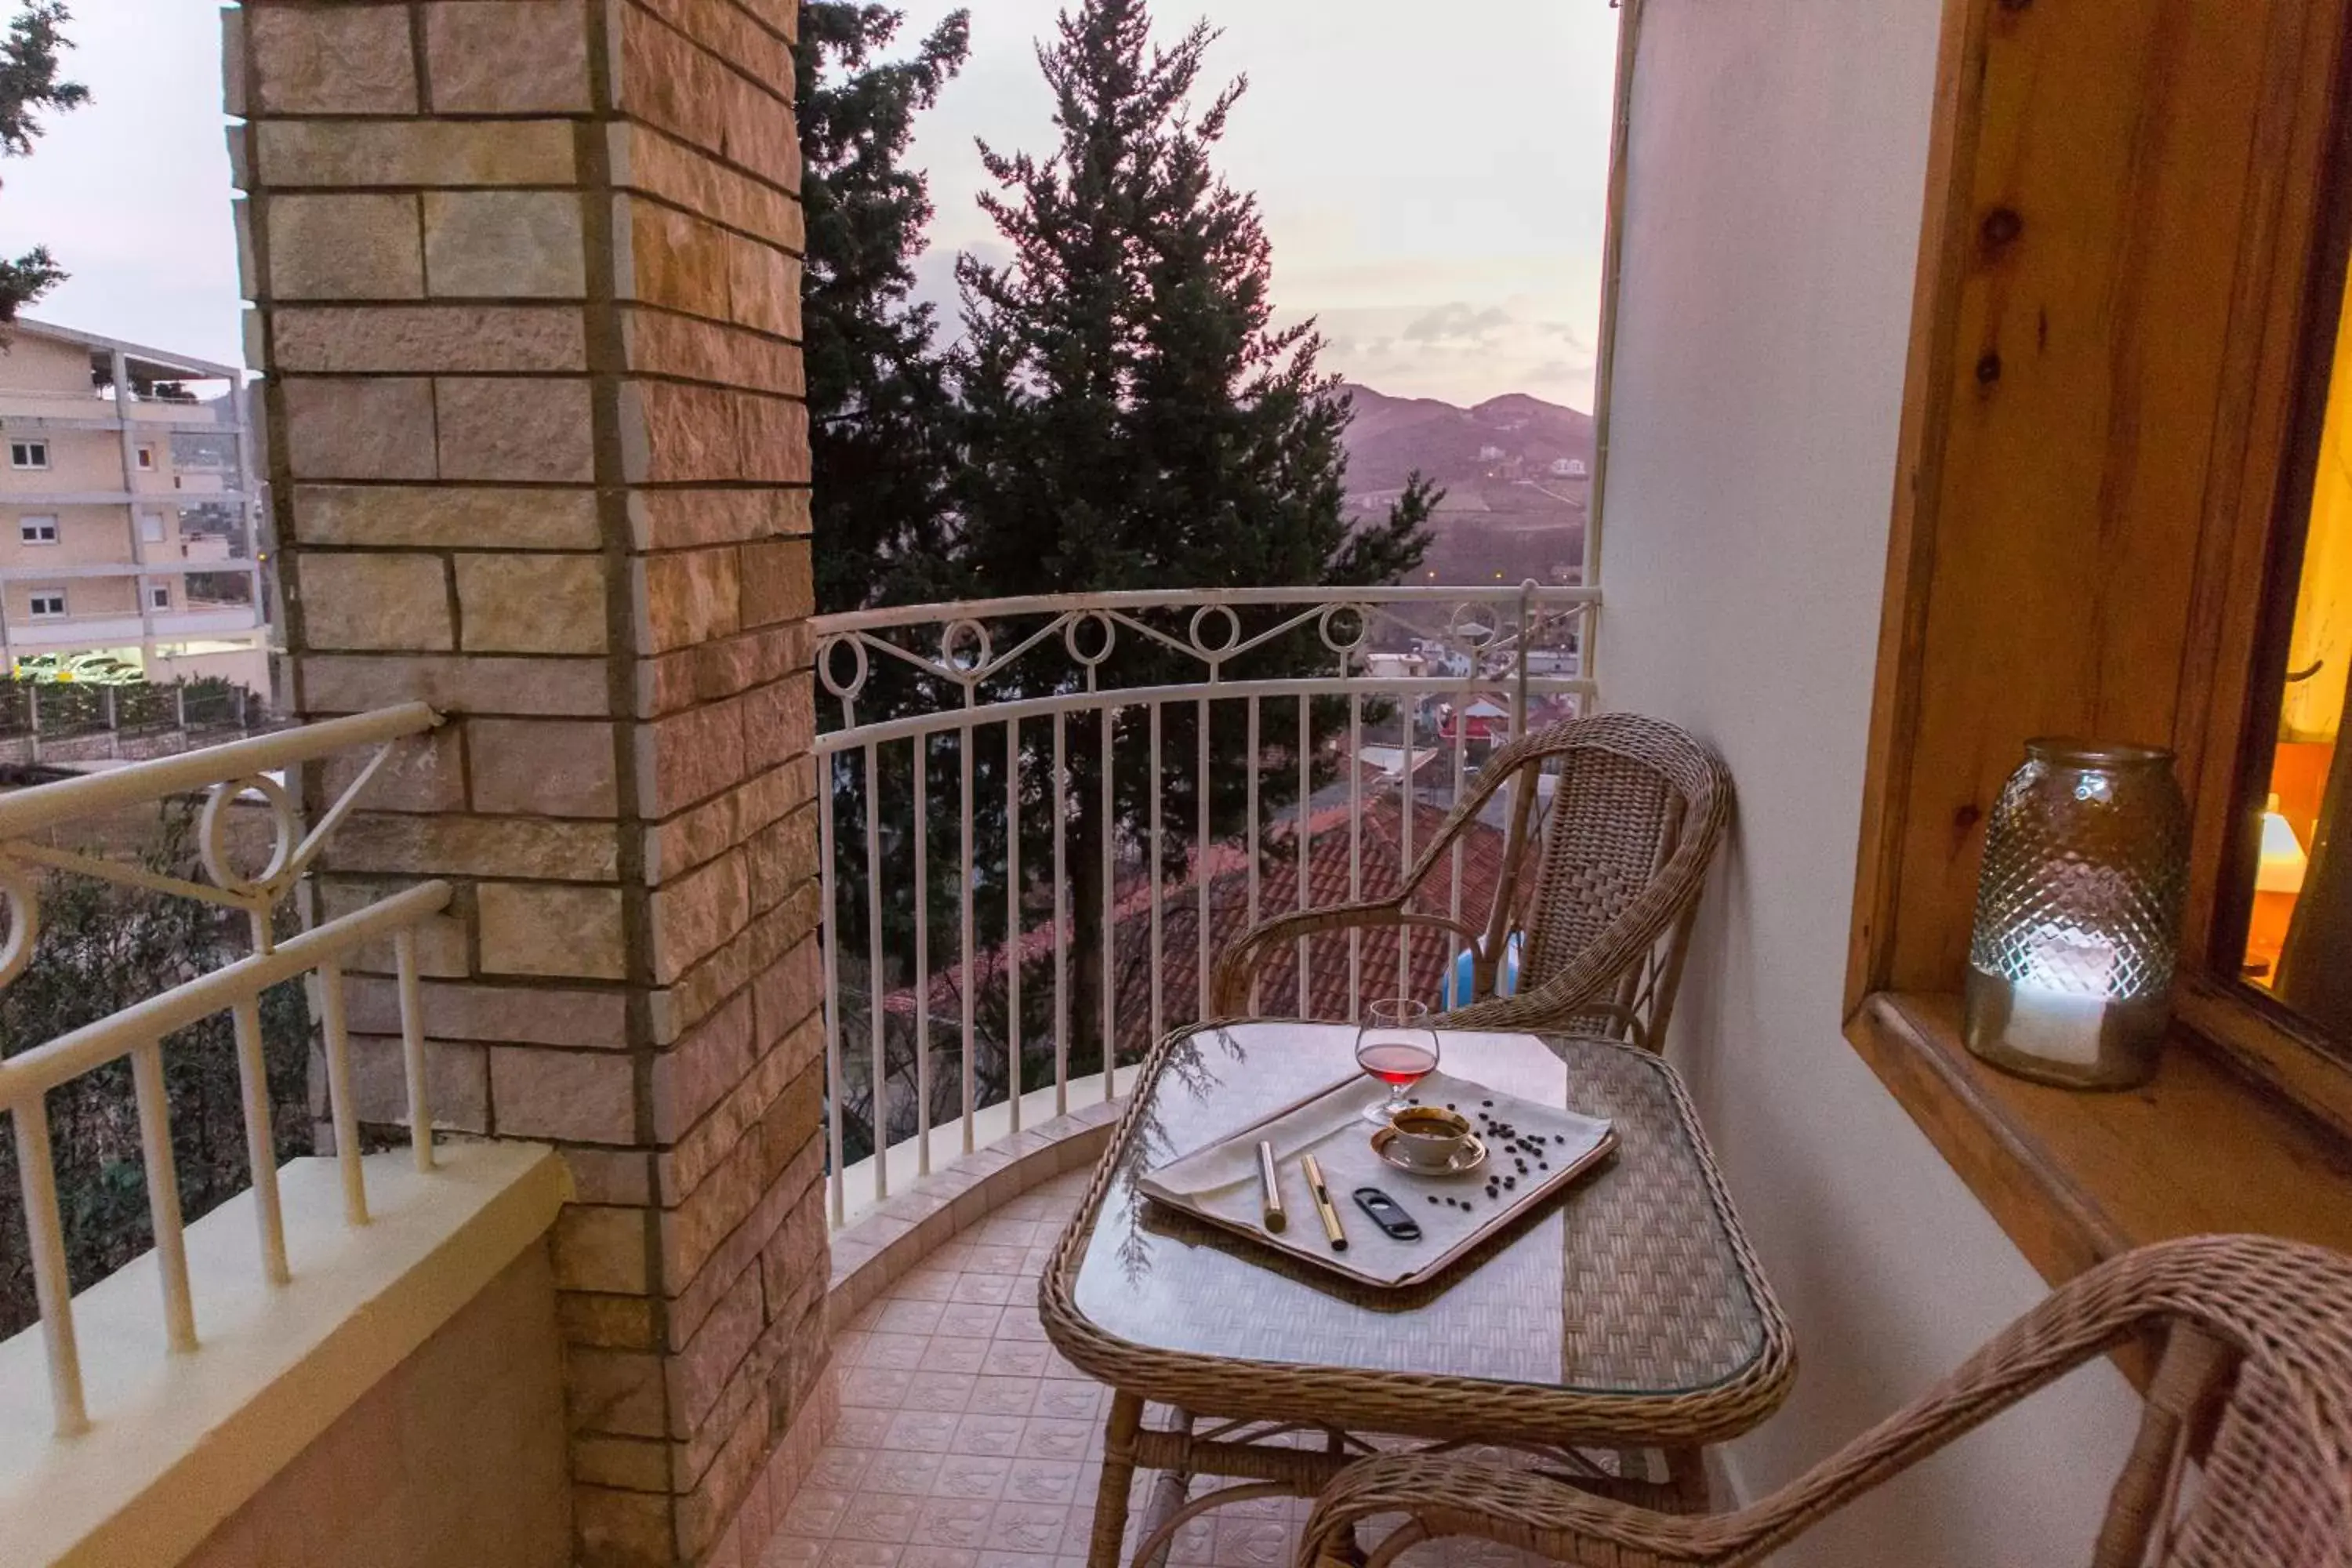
{"x": 1777, "y": 157}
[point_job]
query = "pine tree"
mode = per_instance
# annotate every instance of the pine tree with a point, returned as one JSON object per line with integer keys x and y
{"x": 1134, "y": 419}
{"x": 28, "y": 82}
{"x": 879, "y": 404}
{"x": 881, "y": 415}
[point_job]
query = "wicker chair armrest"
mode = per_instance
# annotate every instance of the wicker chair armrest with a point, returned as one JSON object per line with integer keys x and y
{"x": 1576, "y": 994}
{"x": 1238, "y": 966}
{"x": 1523, "y": 1509}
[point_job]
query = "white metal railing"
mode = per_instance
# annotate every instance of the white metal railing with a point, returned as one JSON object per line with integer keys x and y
{"x": 1044, "y": 727}
{"x": 230, "y": 773}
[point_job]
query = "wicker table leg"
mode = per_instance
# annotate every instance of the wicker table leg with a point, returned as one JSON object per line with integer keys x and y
{"x": 1118, "y": 1475}
{"x": 1169, "y": 1495}
{"x": 1687, "y": 1474}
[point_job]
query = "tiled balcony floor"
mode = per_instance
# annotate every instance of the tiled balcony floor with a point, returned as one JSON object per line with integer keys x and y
{"x": 966, "y": 1442}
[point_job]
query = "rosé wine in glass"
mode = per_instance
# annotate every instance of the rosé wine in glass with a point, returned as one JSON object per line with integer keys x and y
{"x": 1396, "y": 1045}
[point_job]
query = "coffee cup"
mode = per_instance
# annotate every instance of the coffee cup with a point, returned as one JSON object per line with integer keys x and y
{"x": 1429, "y": 1137}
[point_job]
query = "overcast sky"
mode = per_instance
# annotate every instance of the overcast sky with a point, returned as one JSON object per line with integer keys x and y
{"x": 1432, "y": 175}
{"x": 1434, "y": 193}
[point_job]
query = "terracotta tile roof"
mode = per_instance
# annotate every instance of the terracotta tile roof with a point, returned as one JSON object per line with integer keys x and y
{"x": 1383, "y": 861}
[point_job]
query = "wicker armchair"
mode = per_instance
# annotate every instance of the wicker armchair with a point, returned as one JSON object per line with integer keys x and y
{"x": 2255, "y": 1376}
{"x": 1635, "y": 816}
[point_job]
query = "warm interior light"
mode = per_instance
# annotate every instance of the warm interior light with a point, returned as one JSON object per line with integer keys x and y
{"x": 2282, "y": 861}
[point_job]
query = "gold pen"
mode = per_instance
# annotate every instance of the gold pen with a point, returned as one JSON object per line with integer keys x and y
{"x": 1322, "y": 1196}
{"x": 1270, "y": 1187}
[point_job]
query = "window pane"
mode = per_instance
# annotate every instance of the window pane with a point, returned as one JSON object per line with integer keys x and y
{"x": 2299, "y": 929}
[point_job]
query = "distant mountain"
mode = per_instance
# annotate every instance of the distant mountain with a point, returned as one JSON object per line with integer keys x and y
{"x": 1515, "y": 471}
{"x": 1514, "y": 436}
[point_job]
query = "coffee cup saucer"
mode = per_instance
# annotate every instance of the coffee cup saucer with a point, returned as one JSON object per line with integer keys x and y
{"x": 1466, "y": 1159}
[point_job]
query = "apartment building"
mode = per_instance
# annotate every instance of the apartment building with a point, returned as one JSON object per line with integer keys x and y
{"x": 127, "y": 508}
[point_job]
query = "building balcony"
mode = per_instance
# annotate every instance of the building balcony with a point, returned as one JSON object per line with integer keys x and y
{"x": 38, "y": 634}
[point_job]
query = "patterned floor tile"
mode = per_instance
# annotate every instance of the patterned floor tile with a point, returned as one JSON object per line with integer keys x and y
{"x": 965, "y": 1442}
{"x": 994, "y": 1436}
{"x": 879, "y": 1516}
{"x": 1027, "y": 1527}
{"x": 1043, "y": 1480}
{"x": 905, "y": 1472}
{"x": 921, "y": 1555}
{"x": 1006, "y": 1396}
{"x": 961, "y": 1522}
{"x": 973, "y": 1477}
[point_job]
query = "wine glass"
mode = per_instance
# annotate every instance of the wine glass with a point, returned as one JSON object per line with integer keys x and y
{"x": 1396, "y": 1045}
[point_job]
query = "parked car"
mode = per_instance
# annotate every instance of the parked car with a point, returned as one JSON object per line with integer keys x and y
{"x": 103, "y": 670}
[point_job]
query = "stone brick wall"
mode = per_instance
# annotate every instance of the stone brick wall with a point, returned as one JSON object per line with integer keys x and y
{"x": 454, "y": 1460}
{"x": 526, "y": 283}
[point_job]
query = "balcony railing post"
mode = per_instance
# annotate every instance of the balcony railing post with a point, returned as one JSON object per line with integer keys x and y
{"x": 37, "y": 1178}
{"x": 835, "y": 1176}
{"x": 922, "y": 955}
{"x": 412, "y": 1047}
{"x": 1012, "y": 919}
{"x": 1519, "y": 658}
{"x": 341, "y": 1103}
{"x": 878, "y": 1116}
{"x": 163, "y": 1194}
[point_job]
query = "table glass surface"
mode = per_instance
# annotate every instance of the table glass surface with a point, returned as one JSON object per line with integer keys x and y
{"x": 1630, "y": 1282}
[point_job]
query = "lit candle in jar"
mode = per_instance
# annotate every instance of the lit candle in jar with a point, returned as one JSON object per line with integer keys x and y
{"x": 2057, "y": 1010}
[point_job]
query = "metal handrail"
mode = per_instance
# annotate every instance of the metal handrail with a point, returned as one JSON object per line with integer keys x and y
{"x": 32, "y": 810}
{"x": 1163, "y": 598}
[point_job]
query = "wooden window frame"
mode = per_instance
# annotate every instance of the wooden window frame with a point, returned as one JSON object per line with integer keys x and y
{"x": 2108, "y": 333}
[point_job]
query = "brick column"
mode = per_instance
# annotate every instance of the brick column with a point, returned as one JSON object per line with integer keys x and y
{"x": 527, "y": 289}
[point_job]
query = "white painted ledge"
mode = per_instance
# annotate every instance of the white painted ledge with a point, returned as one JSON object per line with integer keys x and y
{"x": 178, "y": 1443}
{"x": 991, "y": 1125}
{"x": 885, "y": 1238}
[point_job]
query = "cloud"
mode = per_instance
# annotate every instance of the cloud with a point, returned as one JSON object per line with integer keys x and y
{"x": 1456, "y": 322}
{"x": 1577, "y": 338}
{"x": 1556, "y": 370}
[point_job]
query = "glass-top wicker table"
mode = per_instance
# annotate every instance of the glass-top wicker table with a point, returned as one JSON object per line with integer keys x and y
{"x": 1627, "y": 1315}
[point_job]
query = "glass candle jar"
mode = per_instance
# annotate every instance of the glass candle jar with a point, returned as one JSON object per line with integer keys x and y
{"x": 2078, "y": 915}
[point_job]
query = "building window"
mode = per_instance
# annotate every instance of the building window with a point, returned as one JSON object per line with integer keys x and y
{"x": 159, "y": 596}
{"x": 151, "y": 528}
{"x": 146, "y": 458}
{"x": 37, "y": 529}
{"x": 28, "y": 454}
{"x": 49, "y": 602}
